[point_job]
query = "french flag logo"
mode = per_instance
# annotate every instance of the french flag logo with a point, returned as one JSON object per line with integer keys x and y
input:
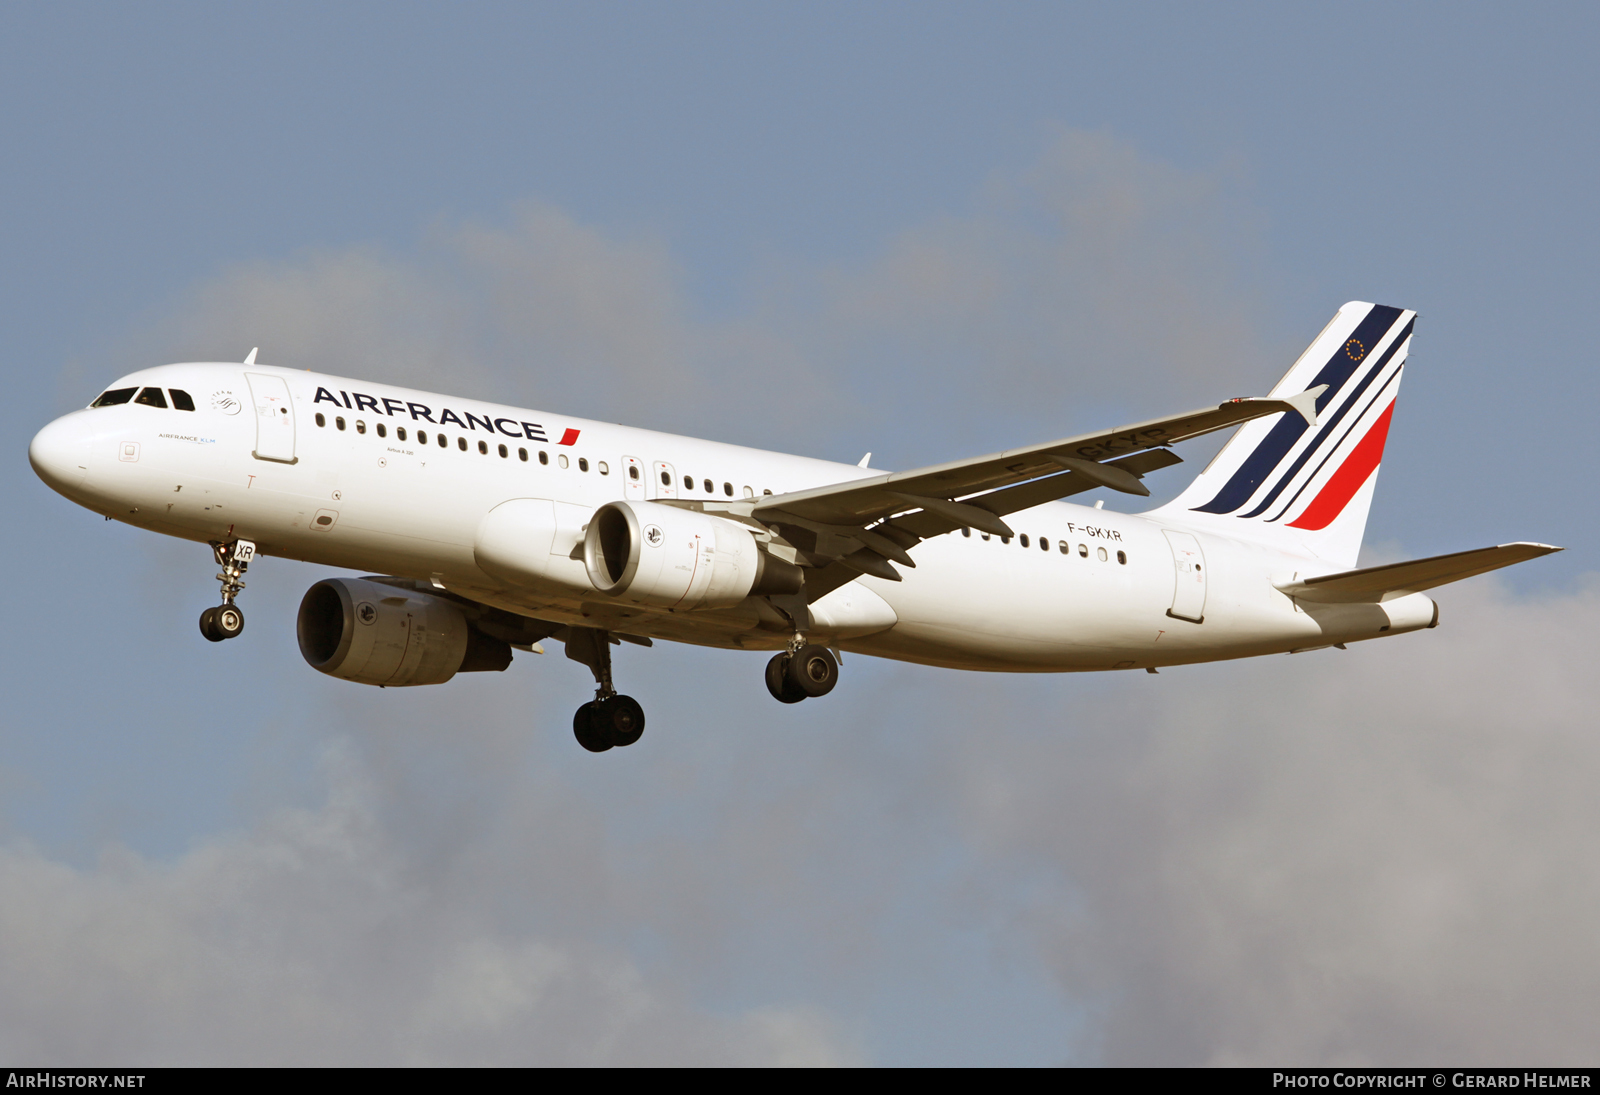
{"x": 569, "y": 438}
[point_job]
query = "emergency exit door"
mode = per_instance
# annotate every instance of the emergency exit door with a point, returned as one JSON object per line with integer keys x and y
{"x": 633, "y": 477}
{"x": 663, "y": 480}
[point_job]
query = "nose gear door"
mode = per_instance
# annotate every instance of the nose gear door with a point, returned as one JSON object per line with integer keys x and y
{"x": 274, "y": 418}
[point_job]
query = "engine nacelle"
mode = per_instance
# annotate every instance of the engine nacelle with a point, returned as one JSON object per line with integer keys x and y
{"x": 647, "y": 553}
{"x": 373, "y": 633}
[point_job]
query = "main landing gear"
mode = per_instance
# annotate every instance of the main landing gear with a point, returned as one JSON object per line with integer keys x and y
{"x": 802, "y": 671}
{"x": 609, "y": 720}
{"x": 227, "y": 620}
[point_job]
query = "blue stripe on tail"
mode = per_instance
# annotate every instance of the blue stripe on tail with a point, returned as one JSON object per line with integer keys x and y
{"x": 1291, "y": 427}
{"x": 1332, "y": 424}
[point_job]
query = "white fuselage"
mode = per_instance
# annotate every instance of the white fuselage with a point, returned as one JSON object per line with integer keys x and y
{"x": 1078, "y": 588}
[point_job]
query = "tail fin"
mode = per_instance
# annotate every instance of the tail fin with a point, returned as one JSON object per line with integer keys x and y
{"x": 1307, "y": 488}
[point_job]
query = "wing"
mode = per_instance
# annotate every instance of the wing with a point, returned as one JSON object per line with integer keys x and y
{"x": 863, "y": 526}
{"x": 1398, "y": 579}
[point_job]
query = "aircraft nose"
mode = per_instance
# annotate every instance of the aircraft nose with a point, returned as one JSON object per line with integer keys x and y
{"x": 59, "y": 455}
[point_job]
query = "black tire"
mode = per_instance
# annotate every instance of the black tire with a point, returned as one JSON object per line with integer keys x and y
{"x": 783, "y": 690}
{"x": 227, "y": 621}
{"x": 620, "y": 720}
{"x": 585, "y": 730}
{"x": 813, "y": 670}
{"x": 208, "y": 626}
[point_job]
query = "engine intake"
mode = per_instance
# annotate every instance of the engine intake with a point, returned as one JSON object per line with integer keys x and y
{"x": 371, "y": 633}
{"x": 647, "y": 553}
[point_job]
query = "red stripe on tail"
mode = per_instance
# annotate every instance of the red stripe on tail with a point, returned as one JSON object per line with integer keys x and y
{"x": 1357, "y": 468}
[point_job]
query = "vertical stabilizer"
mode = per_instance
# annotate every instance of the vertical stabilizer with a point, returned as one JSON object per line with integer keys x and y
{"x": 1307, "y": 488}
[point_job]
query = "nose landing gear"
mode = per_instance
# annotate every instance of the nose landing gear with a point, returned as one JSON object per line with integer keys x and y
{"x": 226, "y": 621}
{"x": 609, "y": 720}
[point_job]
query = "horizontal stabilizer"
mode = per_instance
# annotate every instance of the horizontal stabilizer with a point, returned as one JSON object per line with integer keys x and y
{"x": 1371, "y": 584}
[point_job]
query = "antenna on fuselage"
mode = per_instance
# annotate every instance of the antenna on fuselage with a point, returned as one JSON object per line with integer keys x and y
{"x": 251, "y": 360}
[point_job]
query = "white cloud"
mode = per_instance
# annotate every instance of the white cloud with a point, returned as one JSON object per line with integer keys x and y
{"x": 318, "y": 938}
{"x": 1382, "y": 856}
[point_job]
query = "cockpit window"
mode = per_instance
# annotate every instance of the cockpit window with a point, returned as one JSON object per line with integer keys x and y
{"x": 180, "y": 399}
{"x": 113, "y": 397}
{"x": 152, "y": 397}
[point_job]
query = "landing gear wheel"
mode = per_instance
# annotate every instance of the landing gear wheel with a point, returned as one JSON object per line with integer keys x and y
{"x": 208, "y": 626}
{"x": 619, "y": 719}
{"x": 585, "y": 730}
{"x": 783, "y": 690}
{"x": 812, "y": 670}
{"x": 227, "y": 621}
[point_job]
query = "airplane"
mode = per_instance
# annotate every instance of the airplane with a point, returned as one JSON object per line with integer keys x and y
{"x": 492, "y": 528}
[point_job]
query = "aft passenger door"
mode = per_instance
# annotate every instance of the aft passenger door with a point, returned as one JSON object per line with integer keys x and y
{"x": 274, "y": 418}
{"x": 1189, "y": 586}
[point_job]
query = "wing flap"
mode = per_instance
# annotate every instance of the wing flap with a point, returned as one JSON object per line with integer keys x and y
{"x": 1023, "y": 496}
{"x": 1382, "y": 583}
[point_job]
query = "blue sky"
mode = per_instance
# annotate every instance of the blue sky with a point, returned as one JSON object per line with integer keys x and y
{"x": 921, "y": 230}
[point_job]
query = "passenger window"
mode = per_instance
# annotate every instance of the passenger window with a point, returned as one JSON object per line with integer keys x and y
{"x": 152, "y": 397}
{"x": 633, "y": 472}
{"x": 522, "y": 454}
{"x": 338, "y": 422}
{"x": 1083, "y": 551}
{"x": 985, "y": 535}
{"x": 383, "y": 431}
{"x": 727, "y": 488}
{"x": 1023, "y": 539}
{"x": 361, "y": 425}
{"x": 709, "y": 488}
{"x": 461, "y": 443}
{"x": 444, "y": 442}
{"x": 583, "y": 463}
{"x": 504, "y": 452}
{"x": 321, "y": 421}
{"x": 1044, "y": 545}
{"x": 114, "y": 397}
{"x": 1066, "y": 548}
{"x": 544, "y": 457}
{"x": 1005, "y": 539}
{"x": 422, "y": 437}
{"x": 561, "y": 458}
{"x": 967, "y": 533}
{"x": 764, "y": 490}
{"x": 483, "y": 447}
{"x": 688, "y": 481}
{"x": 748, "y": 493}
{"x": 400, "y": 433}
{"x": 665, "y": 481}
{"x": 180, "y": 399}
{"x": 1102, "y": 553}
{"x": 603, "y": 468}
{"x": 1122, "y": 557}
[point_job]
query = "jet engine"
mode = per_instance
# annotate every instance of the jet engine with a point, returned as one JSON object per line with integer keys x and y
{"x": 372, "y": 633}
{"x": 647, "y": 553}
